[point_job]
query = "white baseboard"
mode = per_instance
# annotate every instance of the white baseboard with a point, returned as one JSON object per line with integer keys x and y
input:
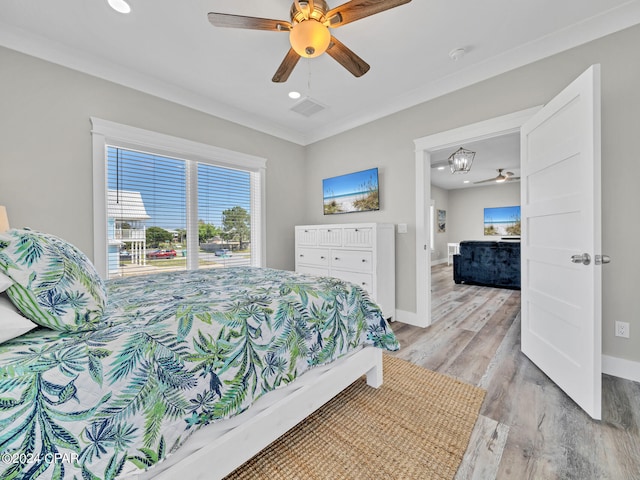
{"x": 619, "y": 367}
{"x": 438, "y": 261}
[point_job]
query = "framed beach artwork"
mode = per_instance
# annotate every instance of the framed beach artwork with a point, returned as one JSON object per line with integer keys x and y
{"x": 353, "y": 192}
{"x": 442, "y": 221}
{"x": 502, "y": 221}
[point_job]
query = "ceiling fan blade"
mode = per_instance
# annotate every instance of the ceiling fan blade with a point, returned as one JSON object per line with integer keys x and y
{"x": 286, "y": 67}
{"x": 357, "y": 9}
{"x": 443, "y": 163}
{"x": 487, "y": 181}
{"x": 345, "y": 57}
{"x": 253, "y": 23}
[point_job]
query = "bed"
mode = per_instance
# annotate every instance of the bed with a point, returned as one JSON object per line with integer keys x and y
{"x": 180, "y": 372}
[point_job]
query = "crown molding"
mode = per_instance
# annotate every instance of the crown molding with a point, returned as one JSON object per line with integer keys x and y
{"x": 572, "y": 36}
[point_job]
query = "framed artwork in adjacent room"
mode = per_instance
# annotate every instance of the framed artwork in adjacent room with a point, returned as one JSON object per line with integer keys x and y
{"x": 442, "y": 221}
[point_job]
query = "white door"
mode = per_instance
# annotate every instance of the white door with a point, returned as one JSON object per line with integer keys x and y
{"x": 561, "y": 280}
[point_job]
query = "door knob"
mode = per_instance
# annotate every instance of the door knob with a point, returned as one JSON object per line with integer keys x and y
{"x": 584, "y": 259}
{"x": 602, "y": 259}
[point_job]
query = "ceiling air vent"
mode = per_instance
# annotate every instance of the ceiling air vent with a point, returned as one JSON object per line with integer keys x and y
{"x": 308, "y": 107}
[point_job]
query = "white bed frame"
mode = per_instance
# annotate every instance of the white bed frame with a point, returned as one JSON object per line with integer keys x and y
{"x": 233, "y": 448}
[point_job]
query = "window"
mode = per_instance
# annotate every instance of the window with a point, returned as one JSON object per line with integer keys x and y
{"x": 164, "y": 203}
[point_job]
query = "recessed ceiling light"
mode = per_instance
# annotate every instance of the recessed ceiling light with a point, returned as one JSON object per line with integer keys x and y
{"x": 119, "y": 6}
{"x": 440, "y": 168}
{"x": 294, "y": 95}
{"x": 466, "y": 181}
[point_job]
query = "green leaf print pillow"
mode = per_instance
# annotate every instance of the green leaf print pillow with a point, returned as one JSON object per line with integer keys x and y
{"x": 55, "y": 284}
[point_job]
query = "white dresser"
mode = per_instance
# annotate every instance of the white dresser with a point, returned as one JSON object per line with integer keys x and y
{"x": 362, "y": 253}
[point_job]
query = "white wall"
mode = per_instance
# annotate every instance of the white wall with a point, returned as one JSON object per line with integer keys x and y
{"x": 388, "y": 144}
{"x": 45, "y": 150}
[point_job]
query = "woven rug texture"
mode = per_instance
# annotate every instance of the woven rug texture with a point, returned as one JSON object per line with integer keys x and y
{"x": 416, "y": 426}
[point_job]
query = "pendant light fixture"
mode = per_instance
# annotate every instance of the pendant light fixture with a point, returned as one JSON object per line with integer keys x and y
{"x": 461, "y": 160}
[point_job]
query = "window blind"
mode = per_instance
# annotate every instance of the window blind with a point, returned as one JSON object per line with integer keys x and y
{"x": 149, "y": 198}
{"x": 224, "y": 214}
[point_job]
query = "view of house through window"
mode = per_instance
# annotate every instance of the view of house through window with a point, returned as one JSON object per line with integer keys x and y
{"x": 148, "y": 200}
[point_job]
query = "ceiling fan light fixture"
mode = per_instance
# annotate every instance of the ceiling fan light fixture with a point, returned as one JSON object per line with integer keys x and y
{"x": 310, "y": 38}
{"x": 461, "y": 160}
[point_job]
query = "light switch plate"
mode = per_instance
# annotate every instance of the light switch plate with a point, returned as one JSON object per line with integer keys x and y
{"x": 402, "y": 228}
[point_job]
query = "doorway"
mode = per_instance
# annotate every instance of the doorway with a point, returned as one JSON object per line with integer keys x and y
{"x": 425, "y": 147}
{"x": 561, "y": 233}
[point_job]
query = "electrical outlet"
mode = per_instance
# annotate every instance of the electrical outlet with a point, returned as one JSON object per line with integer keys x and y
{"x": 622, "y": 329}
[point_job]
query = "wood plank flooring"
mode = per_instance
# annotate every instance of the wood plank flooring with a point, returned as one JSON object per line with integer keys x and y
{"x": 528, "y": 428}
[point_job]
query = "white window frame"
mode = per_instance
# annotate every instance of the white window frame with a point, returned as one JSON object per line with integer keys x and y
{"x": 106, "y": 133}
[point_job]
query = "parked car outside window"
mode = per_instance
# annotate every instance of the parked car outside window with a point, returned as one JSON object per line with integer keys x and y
{"x": 162, "y": 254}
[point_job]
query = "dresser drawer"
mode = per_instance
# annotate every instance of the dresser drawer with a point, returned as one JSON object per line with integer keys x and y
{"x": 355, "y": 260}
{"x": 330, "y": 237}
{"x": 357, "y": 237}
{"x": 306, "y": 236}
{"x": 308, "y": 269}
{"x": 313, "y": 256}
{"x": 363, "y": 280}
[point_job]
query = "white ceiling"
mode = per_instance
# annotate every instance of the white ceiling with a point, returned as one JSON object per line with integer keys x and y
{"x": 491, "y": 154}
{"x": 169, "y": 49}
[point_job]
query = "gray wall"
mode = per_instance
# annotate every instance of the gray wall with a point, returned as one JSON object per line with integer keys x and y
{"x": 467, "y": 205}
{"x": 388, "y": 144}
{"x": 465, "y": 212}
{"x": 46, "y": 156}
{"x": 440, "y": 198}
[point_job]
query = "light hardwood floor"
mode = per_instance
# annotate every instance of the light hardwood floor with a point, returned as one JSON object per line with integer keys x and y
{"x": 528, "y": 428}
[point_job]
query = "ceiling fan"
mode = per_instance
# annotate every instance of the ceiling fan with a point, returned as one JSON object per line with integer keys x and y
{"x": 309, "y": 30}
{"x": 502, "y": 177}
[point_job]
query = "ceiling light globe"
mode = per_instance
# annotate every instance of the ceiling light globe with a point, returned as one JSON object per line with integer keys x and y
{"x": 309, "y": 38}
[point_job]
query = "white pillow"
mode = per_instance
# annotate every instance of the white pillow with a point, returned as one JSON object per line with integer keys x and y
{"x": 12, "y": 324}
{"x": 5, "y": 282}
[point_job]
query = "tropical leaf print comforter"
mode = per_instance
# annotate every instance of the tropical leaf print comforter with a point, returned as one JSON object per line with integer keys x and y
{"x": 173, "y": 353}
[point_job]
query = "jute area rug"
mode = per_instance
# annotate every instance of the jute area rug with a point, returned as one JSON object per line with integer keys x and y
{"x": 416, "y": 426}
